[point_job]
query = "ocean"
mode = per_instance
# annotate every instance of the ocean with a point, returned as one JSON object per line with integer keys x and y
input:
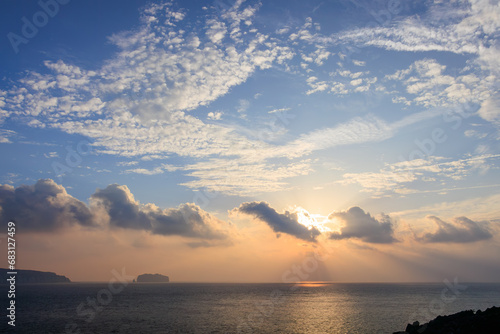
{"x": 334, "y": 308}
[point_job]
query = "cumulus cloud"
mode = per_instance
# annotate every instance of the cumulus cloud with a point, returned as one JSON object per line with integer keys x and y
{"x": 120, "y": 206}
{"x": 187, "y": 220}
{"x": 47, "y": 207}
{"x": 42, "y": 207}
{"x": 286, "y": 222}
{"x": 361, "y": 225}
{"x": 214, "y": 115}
{"x": 463, "y": 230}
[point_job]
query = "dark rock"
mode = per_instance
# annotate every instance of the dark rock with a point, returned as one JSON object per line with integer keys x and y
{"x": 152, "y": 278}
{"x": 33, "y": 276}
{"x": 412, "y": 327}
{"x": 465, "y": 322}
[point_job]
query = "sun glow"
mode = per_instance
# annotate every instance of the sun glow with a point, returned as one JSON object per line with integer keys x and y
{"x": 311, "y": 220}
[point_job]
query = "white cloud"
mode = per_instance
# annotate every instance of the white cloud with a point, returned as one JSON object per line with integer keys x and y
{"x": 317, "y": 86}
{"x": 464, "y": 27}
{"x": 127, "y": 163}
{"x": 3, "y": 113}
{"x": 150, "y": 157}
{"x": 243, "y": 106}
{"x": 244, "y": 178}
{"x": 397, "y": 177}
{"x": 357, "y": 130}
{"x": 155, "y": 171}
{"x": 135, "y": 104}
{"x": 356, "y": 82}
{"x": 428, "y": 85}
{"x": 138, "y": 103}
{"x": 214, "y": 115}
{"x": 51, "y": 155}
{"x": 5, "y": 136}
{"x": 278, "y": 110}
{"x": 490, "y": 110}
{"x": 216, "y": 31}
{"x": 318, "y": 57}
{"x": 377, "y": 181}
{"x": 468, "y": 28}
{"x": 308, "y": 33}
{"x": 475, "y": 134}
{"x": 477, "y": 207}
{"x": 282, "y": 31}
{"x": 344, "y": 82}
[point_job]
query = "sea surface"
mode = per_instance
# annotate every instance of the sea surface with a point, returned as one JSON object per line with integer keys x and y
{"x": 239, "y": 308}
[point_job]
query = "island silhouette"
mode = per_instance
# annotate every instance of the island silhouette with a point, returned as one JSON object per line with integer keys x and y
{"x": 152, "y": 278}
{"x": 34, "y": 276}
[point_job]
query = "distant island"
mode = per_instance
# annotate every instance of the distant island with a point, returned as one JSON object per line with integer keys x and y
{"x": 152, "y": 278}
{"x": 465, "y": 322}
{"x": 33, "y": 276}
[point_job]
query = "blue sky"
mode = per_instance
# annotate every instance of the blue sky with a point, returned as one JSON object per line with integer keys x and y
{"x": 350, "y": 124}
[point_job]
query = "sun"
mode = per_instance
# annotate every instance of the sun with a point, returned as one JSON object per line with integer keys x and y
{"x": 311, "y": 220}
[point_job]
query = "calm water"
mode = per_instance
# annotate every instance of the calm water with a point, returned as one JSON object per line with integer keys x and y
{"x": 238, "y": 308}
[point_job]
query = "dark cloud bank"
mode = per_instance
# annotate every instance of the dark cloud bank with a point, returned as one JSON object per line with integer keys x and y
{"x": 43, "y": 207}
{"x": 361, "y": 225}
{"x": 279, "y": 222}
{"x": 47, "y": 207}
{"x": 463, "y": 231}
{"x": 358, "y": 224}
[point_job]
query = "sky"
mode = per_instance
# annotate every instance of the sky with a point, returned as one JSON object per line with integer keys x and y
{"x": 252, "y": 141}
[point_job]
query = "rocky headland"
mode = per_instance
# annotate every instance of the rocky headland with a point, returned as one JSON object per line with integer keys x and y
{"x": 33, "y": 276}
{"x": 465, "y": 322}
